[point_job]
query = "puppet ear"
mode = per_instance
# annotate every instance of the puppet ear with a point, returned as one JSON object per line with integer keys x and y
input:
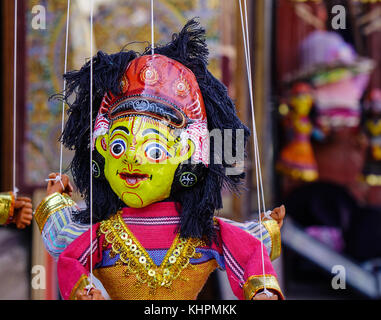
{"x": 99, "y": 155}
{"x": 101, "y": 145}
{"x": 186, "y": 150}
{"x": 187, "y": 174}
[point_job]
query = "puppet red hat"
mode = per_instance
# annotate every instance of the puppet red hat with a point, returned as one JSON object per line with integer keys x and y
{"x": 163, "y": 89}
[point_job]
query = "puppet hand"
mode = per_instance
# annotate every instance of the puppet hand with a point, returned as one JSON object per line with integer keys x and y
{"x": 278, "y": 215}
{"x": 63, "y": 186}
{"x": 263, "y": 296}
{"x": 94, "y": 294}
{"x": 23, "y": 212}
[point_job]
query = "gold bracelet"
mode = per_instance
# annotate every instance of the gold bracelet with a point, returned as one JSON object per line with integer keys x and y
{"x": 257, "y": 283}
{"x": 7, "y": 202}
{"x": 81, "y": 284}
{"x": 50, "y": 205}
{"x": 274, "y": 231}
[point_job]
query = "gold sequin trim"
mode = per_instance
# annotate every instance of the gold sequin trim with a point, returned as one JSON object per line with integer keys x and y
{"x": 7, "y": 201}
{"x": 50, "y": 205}
{"x": 137, "y": 260}
{"x": 81, "y": 284}
{"x": 273, "y": 229}
{"x": 257, "y": 283}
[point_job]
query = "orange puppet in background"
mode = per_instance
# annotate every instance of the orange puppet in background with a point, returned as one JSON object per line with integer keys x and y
{"x": 297, "y": 158}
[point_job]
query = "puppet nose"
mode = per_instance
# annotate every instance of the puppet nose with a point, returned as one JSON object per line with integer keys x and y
{"x": 132, "y": 158}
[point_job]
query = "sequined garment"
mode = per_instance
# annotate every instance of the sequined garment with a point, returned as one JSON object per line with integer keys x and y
{"x": 58, "y": 230}
{"x": 7, "y": 201}
{"x": 137, "y": 254}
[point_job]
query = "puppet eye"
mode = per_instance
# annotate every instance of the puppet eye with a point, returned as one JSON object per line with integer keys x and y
{"x": 156, "y": 152}
{"x": 117, "y": 148}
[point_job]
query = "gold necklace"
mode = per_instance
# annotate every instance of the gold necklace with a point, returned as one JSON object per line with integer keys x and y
{"x": 138, "y": 262}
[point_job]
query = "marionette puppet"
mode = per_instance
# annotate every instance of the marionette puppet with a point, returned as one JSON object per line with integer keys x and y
{"x": 16, "y": 210}
{"x": 338, "y": 76}
{"x": 156, "y": 181}
{"x": 331, "y": 80}
{"x": 297, "y": 158}
{"x": 58, "y": 227}
{"x": 372, "y": 168}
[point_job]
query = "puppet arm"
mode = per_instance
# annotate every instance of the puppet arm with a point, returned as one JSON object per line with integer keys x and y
{"x": 73, "y": 266}
{"x": 58, "y": 229}
{"x": 7, "y": 203}
{"x": 54, "y": 219}
{"x": 242, "y": 254}
{"x": 271, "y": 236}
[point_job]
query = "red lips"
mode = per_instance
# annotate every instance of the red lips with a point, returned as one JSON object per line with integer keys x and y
{"x": 133, "y": 178}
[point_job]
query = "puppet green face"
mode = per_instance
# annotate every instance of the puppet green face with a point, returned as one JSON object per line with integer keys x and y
{"x": 141, "y": 157}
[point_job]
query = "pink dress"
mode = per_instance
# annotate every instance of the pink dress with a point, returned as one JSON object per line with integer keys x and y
{"x": 138, "y": 254}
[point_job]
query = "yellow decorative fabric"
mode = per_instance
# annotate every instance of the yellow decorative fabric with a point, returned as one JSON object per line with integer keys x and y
{"x": 82, "y": 283}
{"x": 273, "y": 229}
{"x": 257, "y": 283}
{"x": 120, "y": 286}
{"x": 7, "y": 201}
{"x": 138, "y": 261}
{"x": 49, "y": 205}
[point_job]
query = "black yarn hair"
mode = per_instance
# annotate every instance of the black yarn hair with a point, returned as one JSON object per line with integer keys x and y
{"x": 107, "y": 72}
{"x": 198, "y": 203}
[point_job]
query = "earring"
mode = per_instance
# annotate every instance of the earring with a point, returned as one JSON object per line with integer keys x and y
{"x": 96, "y": 169}
{"x": 188, "y": 179}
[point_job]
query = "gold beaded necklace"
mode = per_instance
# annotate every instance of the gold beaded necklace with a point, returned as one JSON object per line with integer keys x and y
{"x": 137, "y": 260}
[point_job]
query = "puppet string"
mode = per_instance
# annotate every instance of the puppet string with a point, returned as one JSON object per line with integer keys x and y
{"x": 246, "y": 43}
{"x": 152, "y": 30}
{"x": 247, "y": 57}
{"x": 64, "y": 84}
{"x": 91, "y": 143}
{"x": 256, "y": 146}
{"x": 253, "y": 117}
{"x": 59, "y": 177}
{"x": 15, "y": 190}
{"x": 267, "y": 214}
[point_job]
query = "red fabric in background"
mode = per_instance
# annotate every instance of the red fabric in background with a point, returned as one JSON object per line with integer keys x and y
{"x": 290, "y": 32}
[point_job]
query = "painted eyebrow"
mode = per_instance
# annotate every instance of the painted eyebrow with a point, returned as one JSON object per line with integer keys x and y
{"x": 122, "y": 129}
{"x": 148, "y": 131}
